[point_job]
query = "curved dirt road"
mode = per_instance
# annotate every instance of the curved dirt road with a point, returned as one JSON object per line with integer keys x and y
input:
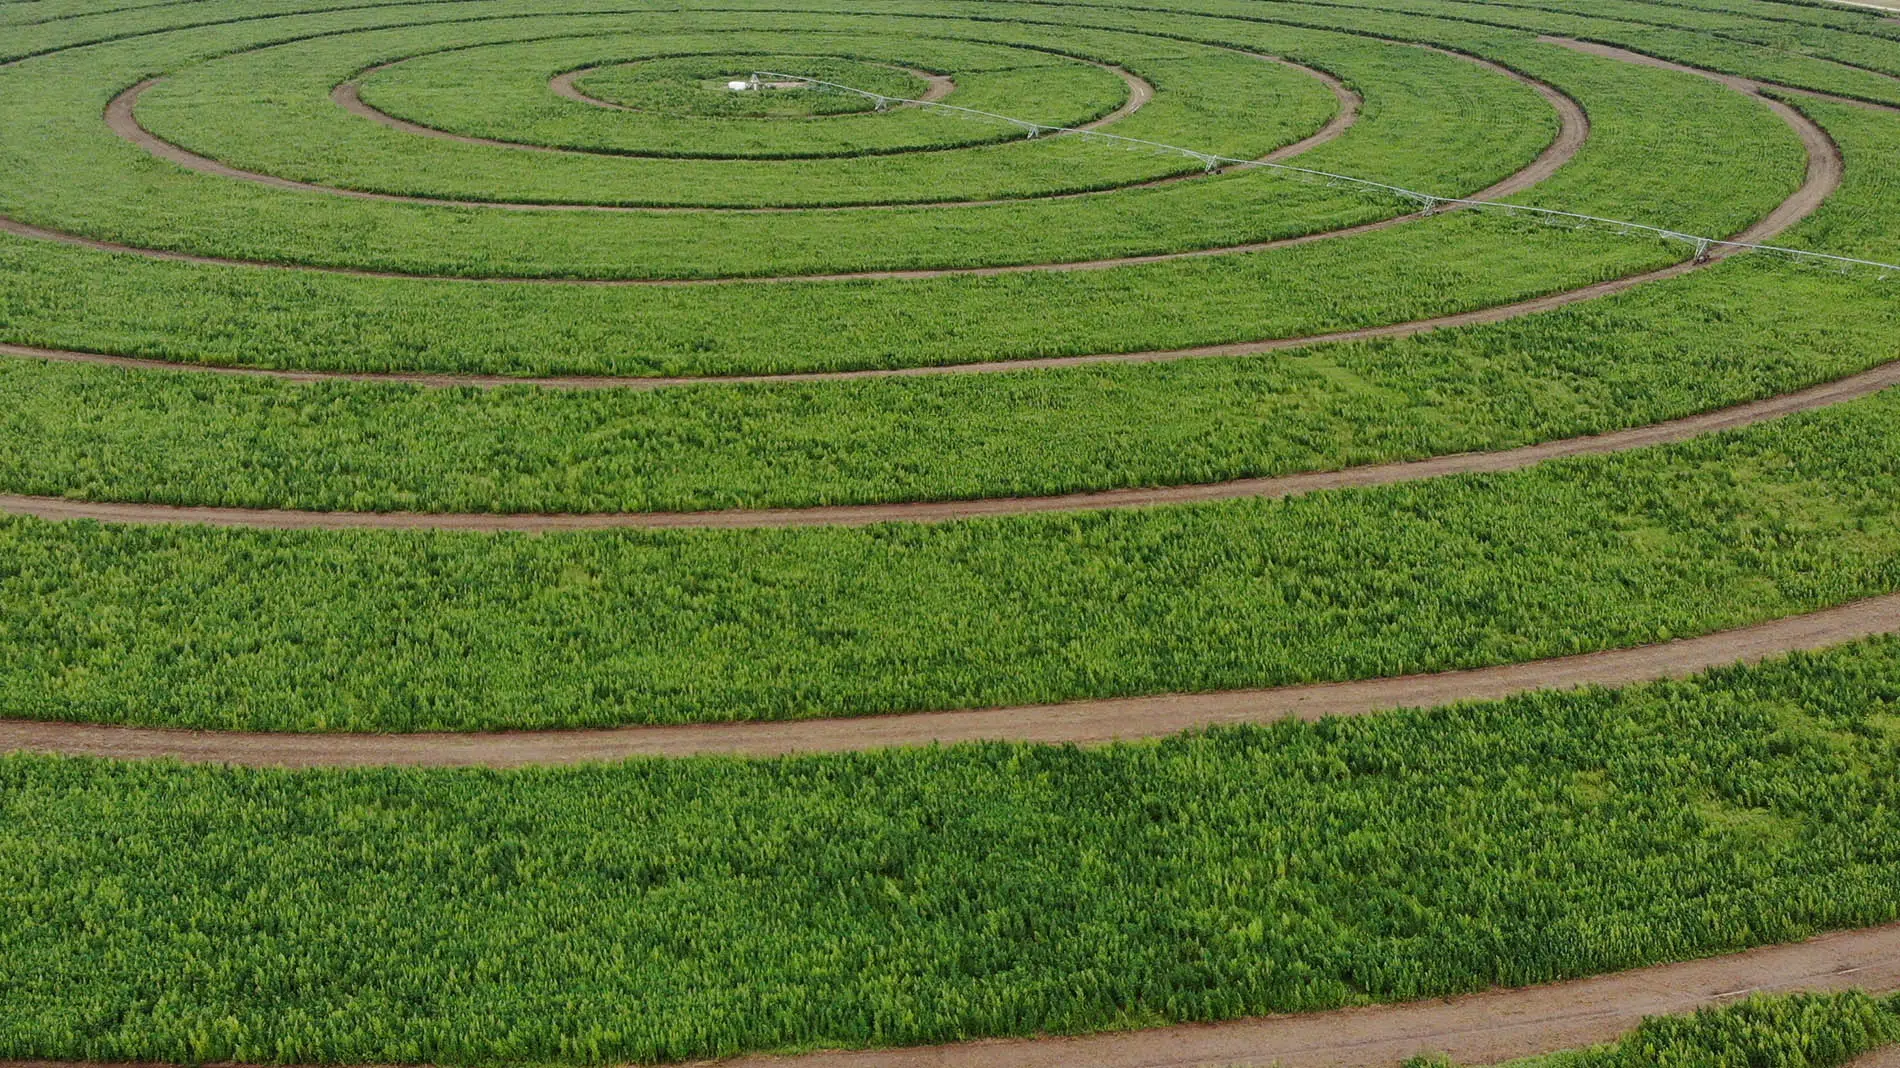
{"x": 1825, "y": 168}
{"x": 348, "y": 96}
{"x": 1078, "y": 722}
{"x": 1481, "y": 1028}
{"x": 121, "y": 119}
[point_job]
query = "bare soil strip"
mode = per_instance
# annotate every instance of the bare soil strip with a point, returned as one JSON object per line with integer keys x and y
{"x": 1095, "y": 722}
{"x": 1850, "y": 388}
{"x": 1825, "y": 167}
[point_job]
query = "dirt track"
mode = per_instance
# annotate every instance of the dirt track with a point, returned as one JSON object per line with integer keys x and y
{"x": 1080, "y": 722}
{"x": 1825, "y": 168}
{"x": 120, "y": 119}
{"x": 1479, "y": 1029}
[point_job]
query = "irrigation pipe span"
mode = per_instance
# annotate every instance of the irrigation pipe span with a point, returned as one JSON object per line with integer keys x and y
{"x": 1430, "y": 202}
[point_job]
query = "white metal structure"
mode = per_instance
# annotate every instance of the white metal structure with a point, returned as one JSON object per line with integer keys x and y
{"x": 1428, "y": 202}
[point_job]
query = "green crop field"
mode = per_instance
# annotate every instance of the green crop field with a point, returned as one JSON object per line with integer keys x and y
{"x": 598, "y": 532}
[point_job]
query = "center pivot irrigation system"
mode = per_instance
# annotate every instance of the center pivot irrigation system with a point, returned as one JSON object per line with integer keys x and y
{"x": 1429, "y": 202}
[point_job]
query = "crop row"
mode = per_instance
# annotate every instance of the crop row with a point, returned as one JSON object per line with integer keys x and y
{"x": 1808, "y": 66}
{"x": 1788, "y": 1031}
{"x": 1737, "y": 332}
{"x": 501, "y": 90}
{"x": 1425, "y": 110}
{"x": 379, "y": 631}
{"x": 666, "y": 910}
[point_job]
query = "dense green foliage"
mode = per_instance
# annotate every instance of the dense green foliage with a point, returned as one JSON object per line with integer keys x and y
{"x": 680, "y": 909}
{"x": 1744, "y": 330}
{"x": 501, "y": 91}
{"x": 699, "y": 84}
{"x": 1738, "y": 332}
{"x": 374, "y": 630}
{"x": 668, "y": 910}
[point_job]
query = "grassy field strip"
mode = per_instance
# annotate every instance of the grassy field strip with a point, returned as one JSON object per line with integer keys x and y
{"x": 1091, "y": 723}
{"x": 1521, "y": 1022}
{"x": 120, "y": 118}
{"x": 1820, "y": 179}
{"x": 348, "y": 96}
{"x": 1823, "y": 177}
{"x": 1826, "y": 395}
{"x": 1482, "y": 1028}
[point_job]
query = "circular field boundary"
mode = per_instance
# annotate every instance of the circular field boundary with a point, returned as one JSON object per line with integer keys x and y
{"x": 347, "y": 95}
{"x": 121, "y": 119}
{"x": 1824, "y": 173}
{"x": 940, "y": 86}
{"x": 1839, "y": 391}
